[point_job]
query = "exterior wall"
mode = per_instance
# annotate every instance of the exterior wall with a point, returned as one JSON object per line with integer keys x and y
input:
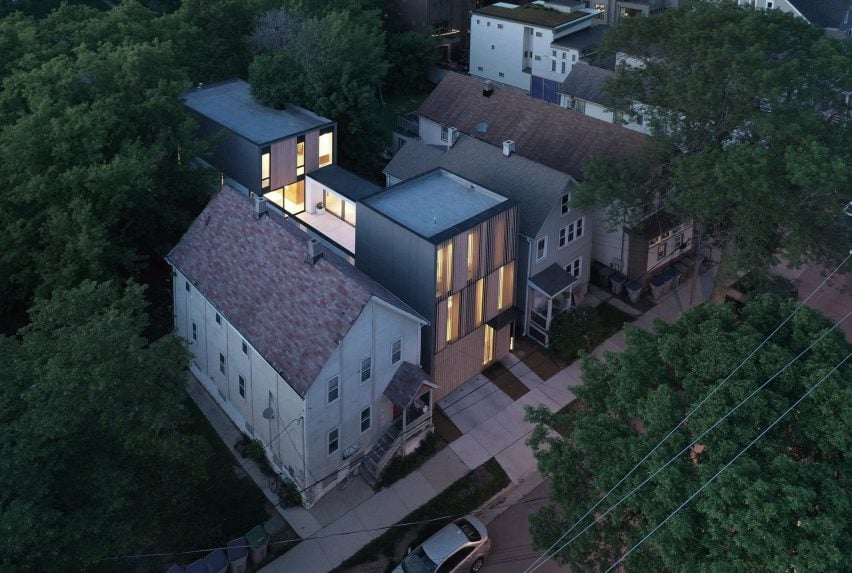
{"x": 581, "y": 247}
{"x": 430, "y": 132}
{"x": 498, "y": 50}
{"x": 601, "y": 112}
{"x": 372, "y": 334}
{"x": 264, "y": 387}
{"x": 236, "y": 157}
{"x": 465, "y": 359}
{"x": 610, "y": 246}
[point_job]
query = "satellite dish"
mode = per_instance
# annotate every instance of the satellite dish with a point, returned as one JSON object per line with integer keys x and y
{"x": 482, "y": 127}
{"x": 268, "y": 413}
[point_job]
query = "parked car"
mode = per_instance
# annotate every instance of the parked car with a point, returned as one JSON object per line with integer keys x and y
{"x": 460, "y": 546}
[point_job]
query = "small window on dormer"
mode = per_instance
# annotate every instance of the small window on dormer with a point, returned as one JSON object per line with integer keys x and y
{"x": 566, "y": 203}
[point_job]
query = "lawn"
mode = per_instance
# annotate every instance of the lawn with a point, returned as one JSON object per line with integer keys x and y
{"x": 460, "y": 498}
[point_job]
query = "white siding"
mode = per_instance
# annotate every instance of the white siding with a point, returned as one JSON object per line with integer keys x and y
{"x": 609, "y": 245}
{"x": 507, "y": 55}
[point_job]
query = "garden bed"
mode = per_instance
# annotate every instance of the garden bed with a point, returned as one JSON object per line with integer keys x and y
{"x": 503, "y": 378}
{"x": 401, "y": 466}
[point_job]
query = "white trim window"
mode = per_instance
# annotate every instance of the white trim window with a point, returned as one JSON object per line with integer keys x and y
{"x": 333, "y": 440}
{"x": 575, "y": 267}
{"x": 396, "y": 351}
{"x": 366, "y": 368}
{"x": 571, "y": 233}
{"x": 566, "y": 203}
{"x": 541, "y": 249}
{"x": 332, "y": 388}
{"x": 366, "y": 418}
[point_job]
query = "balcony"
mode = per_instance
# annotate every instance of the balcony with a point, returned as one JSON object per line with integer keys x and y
{"x": 408, "y": 124}
{"x": 329, "y": 229}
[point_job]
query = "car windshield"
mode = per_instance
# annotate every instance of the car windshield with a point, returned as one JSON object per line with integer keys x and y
{"x": 469, "y": 530}
{"x": 418, "y": 562}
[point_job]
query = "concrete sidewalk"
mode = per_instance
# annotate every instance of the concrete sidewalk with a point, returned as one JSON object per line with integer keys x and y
{"x": 493, "y": 426}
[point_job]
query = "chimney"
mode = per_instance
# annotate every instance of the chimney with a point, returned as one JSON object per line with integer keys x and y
{"x": 508, "y": 147}
{"x": 259, "y": 206}
{"x": 452, "y": 136}
{"x": 314, "y": 252}
{"x": 487, "y": 88}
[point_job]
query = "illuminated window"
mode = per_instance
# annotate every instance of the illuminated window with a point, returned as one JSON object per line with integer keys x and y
{"x": 501, "y": 277}
{"x": 472, "y": 251}
{"x": 300, "y": 155}
{"x": 488, "y": 351}
{"x": 444, "y": 276}
{"x": 479, "y": 307}
{"x": 264, "y": 169}
{"x": 326, "y": 147}
{"x": 452, "y": 318}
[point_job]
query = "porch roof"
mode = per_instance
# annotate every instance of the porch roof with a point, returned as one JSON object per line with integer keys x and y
{"x": 405, "y": 384}
{"x": 344, "y": 182}
{"x": 508, "y": 316}
{"x": 553, "y": 280}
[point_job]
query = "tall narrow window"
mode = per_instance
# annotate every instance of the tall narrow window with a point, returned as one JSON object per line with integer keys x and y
{"x": 396, "y": 351}
{"x": 326, "y": 146}
{"x": 479, "y": 307}
{"x": 445, "y": 269}
{"x": 472, "y": 254}
{"x": 365, "y": 419}
{"x": 541, "y": 249}
{"x": 566, "y": 203}
{"x": 245, "y": 348}
{"x": 264, "y": 168}
{"x": 221, "y": 363}
{"x": 218, "y": 319}
{"x": 575, "y": 267}
{"x": 333, "y": 441}
{"x": 488, "y": 351}
{"x": 194, "y": 332}
{"x": 452, "y": 317}
{"x": 501, "y": 278}
{"x": 300, "y": 155}
{"x": 242, "y": 387}
{"x": 366, "y": 368}
{"x": 333, "y": 389}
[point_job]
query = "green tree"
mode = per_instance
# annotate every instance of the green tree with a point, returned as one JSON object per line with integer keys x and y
{"x": 334, "y": 65}
{"x": 94, "y": 147}
{"x": 92, "y": 417}
{"x": 737, "y": 101}
{"x": 783, "y": 506}
{"x": 410, "y": 56}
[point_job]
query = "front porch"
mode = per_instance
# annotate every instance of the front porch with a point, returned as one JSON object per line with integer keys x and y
{"x": 549, "y": 293}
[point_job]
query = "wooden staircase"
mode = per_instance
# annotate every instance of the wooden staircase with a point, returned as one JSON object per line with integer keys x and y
{"x": 389, "y": 445}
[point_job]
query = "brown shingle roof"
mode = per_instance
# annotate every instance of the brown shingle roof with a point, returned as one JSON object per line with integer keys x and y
{"x": 546, "y": 133}
{"x": 254, "y": 272}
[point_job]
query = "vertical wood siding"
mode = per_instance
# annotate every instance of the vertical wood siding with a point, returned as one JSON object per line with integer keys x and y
{"x": 311, "y": 151}
{"x": 283, "y": 159}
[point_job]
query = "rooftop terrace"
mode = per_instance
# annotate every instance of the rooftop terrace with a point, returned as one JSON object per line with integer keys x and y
{"x": 531, "y": 14}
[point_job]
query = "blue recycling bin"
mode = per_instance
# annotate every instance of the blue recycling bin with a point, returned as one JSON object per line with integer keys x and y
{"x": 216, "y": 562}
{"x": 238, "y": 554}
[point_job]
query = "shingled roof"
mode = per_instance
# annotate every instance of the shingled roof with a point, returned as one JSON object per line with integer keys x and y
{"x": 831, "y": 14}
{"x": 587, "y": 82}
{"x": 254, "y": 272}
{"x": 535, "y": 187}
{"x": 543, "y": 132}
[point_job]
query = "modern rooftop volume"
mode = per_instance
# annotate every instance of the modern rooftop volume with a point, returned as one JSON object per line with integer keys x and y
{"x": 530, "y": 14}
{"x": 436, "y": 202}
{"x": 231, "y": 105}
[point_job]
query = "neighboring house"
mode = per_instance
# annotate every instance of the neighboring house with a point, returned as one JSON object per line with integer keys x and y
{"x": 446, "y": 20}
{"x": 618, "y": 10}
{"x": 285, "y": 155}
{"x": 555, "y": 240}
{"x": 447, "y": 247}
{"x": 556, "y": 138}
{"x": 835, "y": 16}
{"x": 527, "y": 47}
{"x": 583, "y": 92}
{"x": 301, "y": 350}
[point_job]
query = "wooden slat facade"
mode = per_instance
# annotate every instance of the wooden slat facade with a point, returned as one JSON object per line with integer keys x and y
{"x": 311, "y": 151}
{"x": 283, "y": 163}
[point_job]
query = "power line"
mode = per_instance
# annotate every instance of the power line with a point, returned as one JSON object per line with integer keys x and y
{"x": 351, "y": 532}
{"x": 674, "y": 457}
{"x": 727, "y": 465}
{"x": 695, "y": 409}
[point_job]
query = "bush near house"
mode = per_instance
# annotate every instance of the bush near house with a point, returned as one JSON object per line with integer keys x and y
{"x": 582, "y": 329}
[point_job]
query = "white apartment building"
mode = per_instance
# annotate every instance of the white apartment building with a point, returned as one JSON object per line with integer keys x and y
{"x": 531, "y": 47}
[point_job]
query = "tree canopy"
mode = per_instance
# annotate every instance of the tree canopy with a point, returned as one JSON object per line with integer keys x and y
{"x": 783, "y": 506}
{"x": 739, "y": 102}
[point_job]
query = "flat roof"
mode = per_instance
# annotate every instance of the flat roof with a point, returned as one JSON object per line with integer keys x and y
{"x": 582, "y": 40}
{"x": 435, "y": 202}
{"x": 344, "y": 182}
{"x": 231, "y": 105}
{"x": 531, "y": 14}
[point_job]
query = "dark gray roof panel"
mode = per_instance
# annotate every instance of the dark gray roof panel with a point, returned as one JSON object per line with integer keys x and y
{"x": 582, "y": 40}
{"x": 344, "y": 182}
{"x": 231, "y": 105}
{"x": 536, "y": 188}
{"x": 553, "y": 280}
{"x": 587, "y": 82}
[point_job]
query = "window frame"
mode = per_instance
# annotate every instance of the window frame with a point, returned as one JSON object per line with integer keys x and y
{"x": 565, "y": 205}
{"x": 575, "y": 267}
{"x": 218, "y": 319}
{"x": 336, "y": 441}
{"x": 194, "y": 332}
{"x": 222, "y": 364}
{"x": 368, "y": 369}
{"x": 445, "y": 133}
{"x": 368, "y": 419}
{"x": 244, "y": 347}
{"x": 541, "y": 245}
{"x": 396, "y": 350}
{"x": 328, "y": 390}
{"x": 241, "y": 386}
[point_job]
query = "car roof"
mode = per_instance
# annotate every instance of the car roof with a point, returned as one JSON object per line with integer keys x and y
{"x": 448, "y": 539}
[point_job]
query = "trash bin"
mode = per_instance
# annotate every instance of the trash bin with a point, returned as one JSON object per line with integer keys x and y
{"x": 175, "y": 569}
{"x": 275, "y": 526}
{"x": 216, "y": 562}
{"x": 634, "y": 289}
{"x": 600, "y": 274}
{"x": 238, "y": 555}
{"x": 617, "y": 280}
{"x": 658, "y": 286}
{"x": 258, "y": 541}
{"x": 674, "y": 277}
{"x": 197, "y": 567}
